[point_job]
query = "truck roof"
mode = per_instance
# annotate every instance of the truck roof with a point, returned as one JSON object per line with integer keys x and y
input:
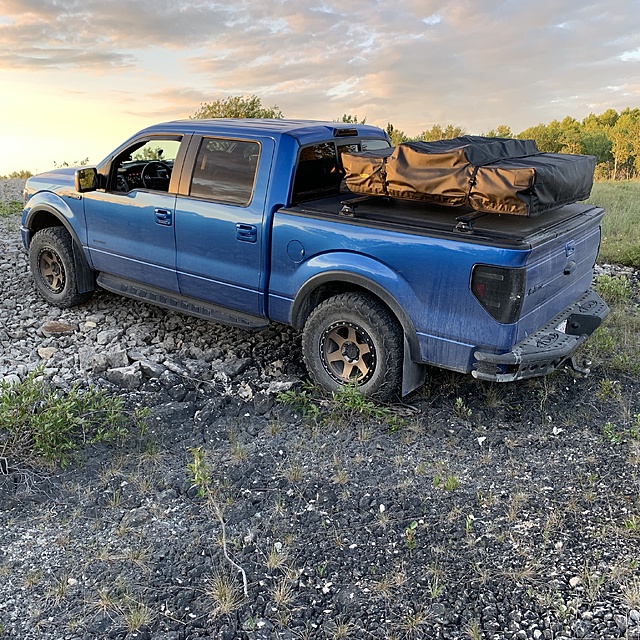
{"x": 305, "y": 131}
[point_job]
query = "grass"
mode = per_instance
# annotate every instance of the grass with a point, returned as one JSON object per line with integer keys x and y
{"x": 347, "y": 406}
{"x": 616, "y": 344}
{"x": 40, "y": 424}
{"x": 10, "y": 208}
{"x": 620, "y": 229}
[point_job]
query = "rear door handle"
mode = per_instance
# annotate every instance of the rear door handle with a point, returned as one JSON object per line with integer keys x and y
{"x": 163, "y": 217}
{"x": 247, "y": 232}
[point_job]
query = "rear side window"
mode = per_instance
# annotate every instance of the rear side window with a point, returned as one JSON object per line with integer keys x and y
{"x": 225, "y": 171}
{"x": 320, "y": 173}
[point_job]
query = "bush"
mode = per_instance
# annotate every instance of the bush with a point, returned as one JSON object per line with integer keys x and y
{"x": 41, "y": 424}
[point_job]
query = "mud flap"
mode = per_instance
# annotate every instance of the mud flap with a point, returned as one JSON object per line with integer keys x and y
{"x": 413, "y": 373}
{"x": 85, "y": 276}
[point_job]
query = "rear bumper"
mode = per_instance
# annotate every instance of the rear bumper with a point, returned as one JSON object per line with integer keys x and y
{"x": 546, "y": 349}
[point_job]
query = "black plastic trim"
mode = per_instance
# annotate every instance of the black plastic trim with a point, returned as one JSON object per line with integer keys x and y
{"x": 548, "y": 348}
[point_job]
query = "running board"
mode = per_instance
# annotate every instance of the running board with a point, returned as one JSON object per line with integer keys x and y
{"x": 182, "y": 304}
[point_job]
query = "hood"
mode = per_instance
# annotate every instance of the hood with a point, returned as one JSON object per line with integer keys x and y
{"x": 52, "y": 180}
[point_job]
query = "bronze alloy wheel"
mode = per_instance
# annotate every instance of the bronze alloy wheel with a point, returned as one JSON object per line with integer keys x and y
{"x": 51, "y": 270}
{"x": 348, "y": 353}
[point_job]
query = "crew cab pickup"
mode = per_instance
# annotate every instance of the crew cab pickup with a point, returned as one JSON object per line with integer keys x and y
{"x": 246, "y": 222}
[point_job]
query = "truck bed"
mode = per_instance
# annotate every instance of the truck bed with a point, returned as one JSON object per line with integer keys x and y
{"x": 507, "y": 231}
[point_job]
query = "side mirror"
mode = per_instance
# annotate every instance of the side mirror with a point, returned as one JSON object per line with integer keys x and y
{"x": 86, "y": 179}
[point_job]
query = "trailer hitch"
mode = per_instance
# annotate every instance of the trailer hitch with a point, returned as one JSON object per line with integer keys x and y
{"x": 584, "y": 368}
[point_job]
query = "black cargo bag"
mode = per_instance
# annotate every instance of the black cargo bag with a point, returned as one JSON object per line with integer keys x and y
{"x": 494, "y": 175}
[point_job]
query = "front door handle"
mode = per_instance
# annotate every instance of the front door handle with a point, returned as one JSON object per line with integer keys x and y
{"x": 163, "y": 217}
{"x": 247, "y": 232}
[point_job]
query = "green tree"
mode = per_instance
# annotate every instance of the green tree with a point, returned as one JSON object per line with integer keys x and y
{"x": 625, "y": 143}
{"x": 546, "y": 136}
{"x": 396, "y": 136}
{"x": 349, "y": 119}
{"x": 236, "y": 107}
{"x": 501, "y": 131}
{"x": 438, "y": 132}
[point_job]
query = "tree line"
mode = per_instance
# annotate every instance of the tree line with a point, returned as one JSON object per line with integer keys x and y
{"x": 612, "y": 137}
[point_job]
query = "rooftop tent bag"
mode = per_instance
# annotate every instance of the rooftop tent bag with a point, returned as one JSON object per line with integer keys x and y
{"x": 366, "y": 172}
{"x": 495, "y": 175}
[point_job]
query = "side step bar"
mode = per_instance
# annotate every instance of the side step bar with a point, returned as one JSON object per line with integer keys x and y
{"x": 182, "y": 304}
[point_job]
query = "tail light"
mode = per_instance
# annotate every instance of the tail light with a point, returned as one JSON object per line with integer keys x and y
{"x": 499, "y": 290}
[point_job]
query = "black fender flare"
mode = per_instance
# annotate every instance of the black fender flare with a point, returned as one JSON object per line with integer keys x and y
{"x": 302, "y": 303}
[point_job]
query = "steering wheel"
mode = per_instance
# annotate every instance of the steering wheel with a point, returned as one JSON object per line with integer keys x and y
{"x": 156, "y": 175}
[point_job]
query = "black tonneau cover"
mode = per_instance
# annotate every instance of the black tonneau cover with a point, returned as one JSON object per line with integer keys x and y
{"x": 496, "y": 175}
{"x": 463, "y": 223}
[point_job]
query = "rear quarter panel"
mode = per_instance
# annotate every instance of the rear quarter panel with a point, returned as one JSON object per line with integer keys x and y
{"x": 428, "y": 277}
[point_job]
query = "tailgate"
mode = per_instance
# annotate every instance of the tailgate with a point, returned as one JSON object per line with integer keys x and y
{"x": 560, "y": 266}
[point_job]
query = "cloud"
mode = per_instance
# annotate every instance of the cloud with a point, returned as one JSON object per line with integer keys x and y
{"x": 414, "y": 62}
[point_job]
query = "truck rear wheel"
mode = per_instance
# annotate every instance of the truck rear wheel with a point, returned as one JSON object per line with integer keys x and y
{"x": 52, "y": 266}
{"x": 353, "y": 339}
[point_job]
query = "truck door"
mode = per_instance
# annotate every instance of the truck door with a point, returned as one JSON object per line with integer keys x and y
{"x": 130, "y": 225}
{"x": 219, "y": 222}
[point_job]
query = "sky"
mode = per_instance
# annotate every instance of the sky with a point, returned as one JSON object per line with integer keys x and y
{"x": 77, "y": 77}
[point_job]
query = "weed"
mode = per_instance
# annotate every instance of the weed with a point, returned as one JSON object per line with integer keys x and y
{"x": 631, "y": 594}
{"x": 614, "y": 290}
{"x": 592, "y": 583}
{"x": 435, "y": 587}
{"x": 448, "y": 483}
{"x": 137, "y": 615}
{"x": 294, "y": 472}
{"x": 410, "y": 534}
{"x": 10, "y": 208}
{"x": 348, "y": 406}
{"x": 493, "y": 396}
{"x": 340, "y": 629}
{"x": 282, "y": 593}
{"x": 58, "y": 592}
{"x": 473, "y": 629}
{"x": 461, "y": 409}
{"x": 225, "y": 593}
{"x": 612, "y": 433}
{"x": 632, "y": 524}
{"x": 105, "y": 602}
{"x": 302, "y": 401}
{"x": 33, "y": 578}
{"x": 518, "y": 500}
{"x": 42, "y": 424}
{"x": 199, "y": 471}
{"x": 340, "y": 476}
{"x": 609, "y": 390}
{"x": 413, "y": 622}
{"x": 276, "y": 557}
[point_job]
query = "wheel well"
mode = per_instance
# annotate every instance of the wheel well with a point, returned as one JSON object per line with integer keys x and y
{"x": 328, "y": 290}
{"x": 43, "y": 220}
{"x": 311, "y": 296}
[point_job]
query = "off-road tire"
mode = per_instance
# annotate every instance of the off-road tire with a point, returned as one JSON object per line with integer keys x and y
{"x": 53, "y": 268}
{"x": 352, "y": 338}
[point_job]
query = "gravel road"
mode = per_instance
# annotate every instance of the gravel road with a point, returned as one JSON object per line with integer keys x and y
{"x": 478, "y": 511}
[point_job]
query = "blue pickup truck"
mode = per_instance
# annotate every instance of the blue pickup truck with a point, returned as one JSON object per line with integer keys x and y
{"x": 246, "y": 222}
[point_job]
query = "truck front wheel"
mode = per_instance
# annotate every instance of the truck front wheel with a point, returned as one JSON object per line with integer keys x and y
{"x": 354, "y": 339}
{"x": 52, "y": 266}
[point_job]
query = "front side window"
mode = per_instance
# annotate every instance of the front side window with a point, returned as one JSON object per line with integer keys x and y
{"x": 225, "y": 171}
{"x": 147, "y": 164}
